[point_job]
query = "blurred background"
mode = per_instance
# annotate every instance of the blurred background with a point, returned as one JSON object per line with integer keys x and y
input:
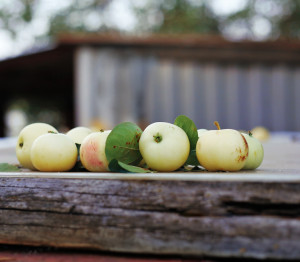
{"x": 97, "y": 63}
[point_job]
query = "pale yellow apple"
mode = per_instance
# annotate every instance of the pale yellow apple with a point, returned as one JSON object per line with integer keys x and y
{"x": 25, "y": 139}
{"x": 201, "y": 131}
{"x": 261, "y": 133}
{"x": 92, "y": 152}
{"x": 54, "y": 153}
{"x": 222, "y": 150}
{"x": 77, "y": 134}
{"x": 165, "y": 147}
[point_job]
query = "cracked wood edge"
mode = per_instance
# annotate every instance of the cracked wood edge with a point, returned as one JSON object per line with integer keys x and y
{"x": 220, "y": 219}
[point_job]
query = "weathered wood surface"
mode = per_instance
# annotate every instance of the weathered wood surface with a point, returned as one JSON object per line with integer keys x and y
{"x": 259, "y": 220}
{"x": 245, "y": 215}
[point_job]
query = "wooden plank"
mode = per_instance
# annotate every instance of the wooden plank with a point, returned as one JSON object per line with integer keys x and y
{"x": 104, "y": 99}
{"x": 210, "y": 73}
{"x": 199, "y": 96}
{"x": 166, "y": 91}
{"x": 231, "y": 84}
{"x": 296, "y": 95}
{"x": 254, "y": 95}
{"x": 84, "y": 58}
{"x": 222, "y": 219}
{"x": 187, "y": 92}
{"x": 278, "y": 94}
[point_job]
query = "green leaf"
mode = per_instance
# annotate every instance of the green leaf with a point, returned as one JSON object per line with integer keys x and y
{"x": 190, "y": 129}
{"x": 122, "y": 144}
{"x": 5, "y": 167}
{"x": 78, "y": 151}
{"x": 78, "y": 147}
{"x": 192, "y": 159}
{"x": 78, "y": 167}
{"x": 118, "y": 166}
{"x": 134, "y": 169}
{"x": 114, "y": 166}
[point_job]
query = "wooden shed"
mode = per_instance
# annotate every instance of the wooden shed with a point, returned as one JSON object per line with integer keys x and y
{"x": 145, "y": 79}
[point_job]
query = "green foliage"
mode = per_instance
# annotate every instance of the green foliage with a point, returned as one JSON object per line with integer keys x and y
{"x": 176, "y": 16}
{"x": 159, "y": 16}
{"x": 120, "y": 167}
{"x": 78, "y": 167}
{"x": 5, "y": 167}
{"x": 73, "y": 16}
{"x": 192, "y": 159}
{"x": 185, "y": 16}
{"x": 289, "y": 24}
{"x": 190, "y": 129}
{"x": 122, "y": 144}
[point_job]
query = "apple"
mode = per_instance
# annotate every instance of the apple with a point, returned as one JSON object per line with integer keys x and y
{"x": 77, "y": 134}
{"x": 92, "y": 151}
{"x": 53, "y": 153}
{"x": 201, "y": 131}
{"x": 164, "y": 147}
{"x": 222, "y": 150}
{"x": 256, "y": 152}
{"x": 25, "y": 139}
{"x": 261, "y": 133}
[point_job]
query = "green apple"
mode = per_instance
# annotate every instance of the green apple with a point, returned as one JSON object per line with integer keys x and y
{"x": 92, "y": 152}
{"x": 25, "y": 139}
{"x": 165, "y": 147}
{"x": 222, "y": 150}
{"x": 256, "y": 152}
{"x": 77, "y": 134}
{"x": 53, "y": 153}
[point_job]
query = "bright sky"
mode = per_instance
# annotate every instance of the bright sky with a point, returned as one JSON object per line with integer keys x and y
{"x": 118, "y": 11}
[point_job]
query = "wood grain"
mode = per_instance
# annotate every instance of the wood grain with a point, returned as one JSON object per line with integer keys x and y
{"x": 193, "y": 218}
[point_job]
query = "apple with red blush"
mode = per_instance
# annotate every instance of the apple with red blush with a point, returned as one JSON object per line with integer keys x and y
{"x": 92, "y": 151}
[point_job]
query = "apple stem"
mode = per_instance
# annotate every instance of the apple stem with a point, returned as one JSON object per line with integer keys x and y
{"x": 157, "y": 138}
{"x": 250, "y": 134}
{"x": 216, "y": 123}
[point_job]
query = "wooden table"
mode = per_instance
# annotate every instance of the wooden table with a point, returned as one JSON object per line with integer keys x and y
{"x": 247, "y": 214}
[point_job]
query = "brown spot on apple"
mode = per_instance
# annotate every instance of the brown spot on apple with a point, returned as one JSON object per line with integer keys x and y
{"x": 245, "y": 143}
{"x": 241, "y": 158}
{"x": 243, "y": 154}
